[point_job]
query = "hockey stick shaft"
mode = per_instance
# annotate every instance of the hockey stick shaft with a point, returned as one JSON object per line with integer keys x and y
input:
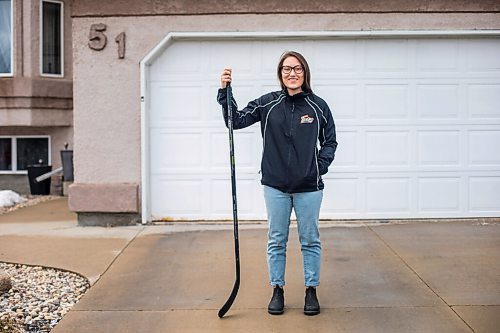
{"x": 236, "y": 286}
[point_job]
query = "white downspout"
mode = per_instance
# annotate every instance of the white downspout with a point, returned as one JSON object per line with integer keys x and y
{"x": 144, "y": 146}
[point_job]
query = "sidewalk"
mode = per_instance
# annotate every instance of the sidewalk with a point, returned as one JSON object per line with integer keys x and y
{"x": 415, "y": 277}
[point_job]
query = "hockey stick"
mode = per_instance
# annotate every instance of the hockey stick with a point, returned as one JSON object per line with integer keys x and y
{"x": 236, "y": 286}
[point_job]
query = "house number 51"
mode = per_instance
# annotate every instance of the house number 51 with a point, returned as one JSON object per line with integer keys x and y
{"x": 98, "y": 40}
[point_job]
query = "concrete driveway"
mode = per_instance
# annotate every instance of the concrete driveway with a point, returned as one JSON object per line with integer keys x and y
{"x": 412, "y": 277}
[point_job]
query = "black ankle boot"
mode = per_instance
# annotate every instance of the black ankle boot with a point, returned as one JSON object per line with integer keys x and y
{"x": 311, "y": 306}
{"x": 277, "y": 304}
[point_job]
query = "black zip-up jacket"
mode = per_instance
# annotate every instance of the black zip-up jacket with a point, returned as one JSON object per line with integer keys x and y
{"x": 291, "y": 128}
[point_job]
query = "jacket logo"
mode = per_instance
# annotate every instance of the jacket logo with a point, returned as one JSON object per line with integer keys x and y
{"x": 306, "y": 119}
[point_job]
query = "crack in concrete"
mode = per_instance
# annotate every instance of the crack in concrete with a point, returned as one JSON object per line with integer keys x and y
{"x": 265, "y": 308}
{"x": 417, "y": 275}
{"x": 119, "y": 253}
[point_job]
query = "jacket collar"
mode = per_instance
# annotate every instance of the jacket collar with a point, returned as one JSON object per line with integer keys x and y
{"x": 300, "y": 95}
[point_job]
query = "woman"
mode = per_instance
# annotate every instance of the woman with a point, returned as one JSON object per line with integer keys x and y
{"x": 293, "y": 121}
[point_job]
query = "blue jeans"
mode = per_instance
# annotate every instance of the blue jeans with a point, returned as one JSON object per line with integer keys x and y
{"x": 279, "y": 209}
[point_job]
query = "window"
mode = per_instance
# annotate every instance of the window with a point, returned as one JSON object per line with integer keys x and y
{"x": 17, "y": 153}
{"x": 6, "y": 47}
{"x": 5, "y": 154}
{"x": 52, "y": 38}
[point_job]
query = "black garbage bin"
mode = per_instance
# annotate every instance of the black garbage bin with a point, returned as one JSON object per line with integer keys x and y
{"x": 43, "y": 187}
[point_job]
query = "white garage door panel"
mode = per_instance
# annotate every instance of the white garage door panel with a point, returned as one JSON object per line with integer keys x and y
{"x": 345, "y": 199}
{"x": 387, "y": 148}
{"x": 481, "y": 144}
{"x": 482, "y": 54}
{"x": 221, "y": 200}
{"x": 436, "y": 194}
{"x": 484, "y": 194}
{"x": 389, "y": 101}
{"x": 438, "y": 148}
{"x": 178, "y": 196}
{"x": 388, "y": 195}
{"x": 176, "y": 151}
{"x": 438, "y": 101}
{"x": 484, "y": 100}
{"x": 439, "y": 54}
{"x": 418, "y": 125}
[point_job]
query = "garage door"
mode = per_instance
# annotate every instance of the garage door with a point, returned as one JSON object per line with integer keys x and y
{"x": 418, "y": 124}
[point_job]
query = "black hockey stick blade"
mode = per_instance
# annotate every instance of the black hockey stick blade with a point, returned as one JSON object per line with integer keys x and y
{"x": 230, "y": 300}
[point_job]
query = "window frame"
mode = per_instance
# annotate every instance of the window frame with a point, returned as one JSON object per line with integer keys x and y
{"x": 12, "y": 62}
{"x": 13, "y": 143}
{"x": 41, "y": 39}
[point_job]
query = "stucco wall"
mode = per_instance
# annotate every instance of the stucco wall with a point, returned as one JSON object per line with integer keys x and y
{"x": 190, "y": 7}
{"x": 107, "y": 89}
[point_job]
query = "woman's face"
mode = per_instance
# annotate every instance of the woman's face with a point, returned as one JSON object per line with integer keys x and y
{"x": 293, "y": 81}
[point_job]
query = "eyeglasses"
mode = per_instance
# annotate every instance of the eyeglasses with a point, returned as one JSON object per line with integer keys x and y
{"x": 298, "y": 69}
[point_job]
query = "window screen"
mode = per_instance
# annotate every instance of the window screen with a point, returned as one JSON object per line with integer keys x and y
{"x": 31, "y": 151}
{"x": 5, "y": 154}
{"x": 51, "y": 37}
{"x": 5, "y": 37}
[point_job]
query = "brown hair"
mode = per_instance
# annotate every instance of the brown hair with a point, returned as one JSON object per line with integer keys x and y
{"x": 306, "y": 86}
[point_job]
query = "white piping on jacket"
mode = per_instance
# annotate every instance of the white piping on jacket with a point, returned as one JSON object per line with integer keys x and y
{"x": 317, "y": 138}
{"x": 278, "y": 101}
{"x": 242, "y": 114}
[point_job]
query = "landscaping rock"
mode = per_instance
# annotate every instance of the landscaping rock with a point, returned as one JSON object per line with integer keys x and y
{"x": 5, "y": 282}
{"x": 39, "y": 297}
